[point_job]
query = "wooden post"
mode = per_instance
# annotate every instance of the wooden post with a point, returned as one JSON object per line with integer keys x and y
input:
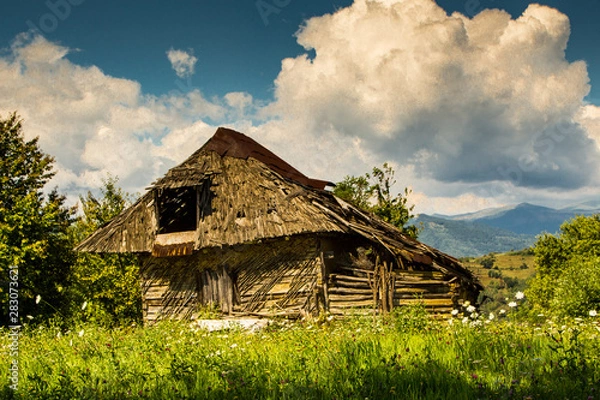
{"x": 384, "y": 288}
{"x": 324, "y": 285}
{"x": 392, "y": 291}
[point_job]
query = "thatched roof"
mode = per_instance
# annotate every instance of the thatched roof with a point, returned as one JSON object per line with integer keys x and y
{"x": 248, "y": 194}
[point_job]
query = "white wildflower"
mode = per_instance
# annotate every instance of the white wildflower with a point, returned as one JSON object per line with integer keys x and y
{"x": 491, "y": 316}
{"x": 28, "y": 317}
{"x": 38, "y": 298}
{"x": 593, "y": 313}
{"x": 502, "y": 311}
{"x": 454, "y": 312}
{"x": 233, "y": 346}
{"x": 512, "y": 304}
{"x": 520, "y": 295}
{"x": 474, "y": 315}
{"x": 81, "y": 332}
{"x": 471, "y": 309}
{"x": 84, "y": 305}
{"x": 465, "y": 320}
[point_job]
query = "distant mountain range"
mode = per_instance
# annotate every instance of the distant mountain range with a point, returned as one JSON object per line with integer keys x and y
{"x": 495, "y": 229}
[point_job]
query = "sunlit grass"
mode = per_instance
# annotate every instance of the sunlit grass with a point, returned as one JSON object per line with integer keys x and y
{"x": 404, "y": 356}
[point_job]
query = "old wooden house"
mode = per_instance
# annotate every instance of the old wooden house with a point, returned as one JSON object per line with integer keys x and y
{"x": 237, "y": 227}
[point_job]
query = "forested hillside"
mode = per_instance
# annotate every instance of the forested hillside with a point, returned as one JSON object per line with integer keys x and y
{"x": 468, "y": 239}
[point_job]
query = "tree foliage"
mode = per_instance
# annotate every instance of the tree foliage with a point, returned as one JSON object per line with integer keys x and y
{"x": 33, "y": 226}
{"x": 109, "y": 284}
{"x": 373, "y": 192}
{"x": 488, "y": 261}
{"x": 568, "y": 268}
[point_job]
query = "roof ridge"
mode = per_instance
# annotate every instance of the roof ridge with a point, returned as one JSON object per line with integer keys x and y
{"x": 230, "y": 143}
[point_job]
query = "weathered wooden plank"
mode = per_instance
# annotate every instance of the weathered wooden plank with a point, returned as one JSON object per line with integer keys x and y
{"x": 419, "y": 275}
{"x": 424, "y": 296}
{"x": 424, "y": 282}
{"x": 426, "y": 302}
{"x": 347, "y": 278}
{"x": 351, "y": 304}
{"x": 422, "y": 290}
{"x": 278, "y": 294}
{"x": 348, "y": 297}
{"x": 343, "y": 291}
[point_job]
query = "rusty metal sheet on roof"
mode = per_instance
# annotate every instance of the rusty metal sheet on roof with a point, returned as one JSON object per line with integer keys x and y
{"x": 227, "y": 142}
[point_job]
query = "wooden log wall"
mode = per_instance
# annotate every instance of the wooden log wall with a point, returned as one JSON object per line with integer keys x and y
{"x": 352, "y": 288}
{"x": 436, "y": 290}
{"x": 288, "y": 277}
{"x": 276, "y": 278}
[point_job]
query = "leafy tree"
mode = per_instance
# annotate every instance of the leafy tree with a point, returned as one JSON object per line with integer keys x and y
{"x": 357, "y": 190}
{"x": 568, "y": 268}
{"x": 373, "y": 192}
{"x": 488, "y": 261}
{"x": 33, "y": 227}
{"x": 108, "y": 285}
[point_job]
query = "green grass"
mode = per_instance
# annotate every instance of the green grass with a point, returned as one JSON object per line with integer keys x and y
{"x": 405, "y": 356}
{"x": 507, "y": 263}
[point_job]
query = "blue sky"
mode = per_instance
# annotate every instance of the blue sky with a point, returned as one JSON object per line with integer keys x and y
{"x": 237, "y": 50}
{"x": 102, "y": 73}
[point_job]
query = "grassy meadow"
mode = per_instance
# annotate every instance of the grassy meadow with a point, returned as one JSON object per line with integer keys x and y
{"x": 507, "y": 274}
{"x": 509, "y": 264}
{"x": 405, "y": 355}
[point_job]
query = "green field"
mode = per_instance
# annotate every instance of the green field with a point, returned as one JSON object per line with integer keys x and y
{"x": 509, "y": 275}
{"x": 405, "y": 356}
{"x": 508, "y": 264}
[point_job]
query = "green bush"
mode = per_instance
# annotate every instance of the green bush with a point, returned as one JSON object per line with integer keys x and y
{"x": 488, "y": 261}
{"x": 568, "y": 269}
{"x": 104, "y": 289}
{"x": 578, "y": 288}
{"x": 492, "y": 273}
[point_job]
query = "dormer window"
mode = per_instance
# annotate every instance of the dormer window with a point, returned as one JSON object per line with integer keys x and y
{"x": 177, "y": 209}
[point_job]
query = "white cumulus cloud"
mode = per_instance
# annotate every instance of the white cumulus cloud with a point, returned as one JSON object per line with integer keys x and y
{"x": 183, "y": 62}
{"x": 96, "y": 125}
{"x": 489, "y": 98}
{"x": 472, "y": 112}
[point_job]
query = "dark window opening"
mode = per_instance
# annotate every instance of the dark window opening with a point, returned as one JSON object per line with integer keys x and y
{"x": 178, "y": 210}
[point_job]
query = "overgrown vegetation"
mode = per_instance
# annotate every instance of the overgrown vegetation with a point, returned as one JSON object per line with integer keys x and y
{"x": 34, "y": 237}
{"x": 38, "y": 233}
{"x": 406, "y": 355}
{"x": 107, "y": 284}
{"x": 568, "y": 269}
